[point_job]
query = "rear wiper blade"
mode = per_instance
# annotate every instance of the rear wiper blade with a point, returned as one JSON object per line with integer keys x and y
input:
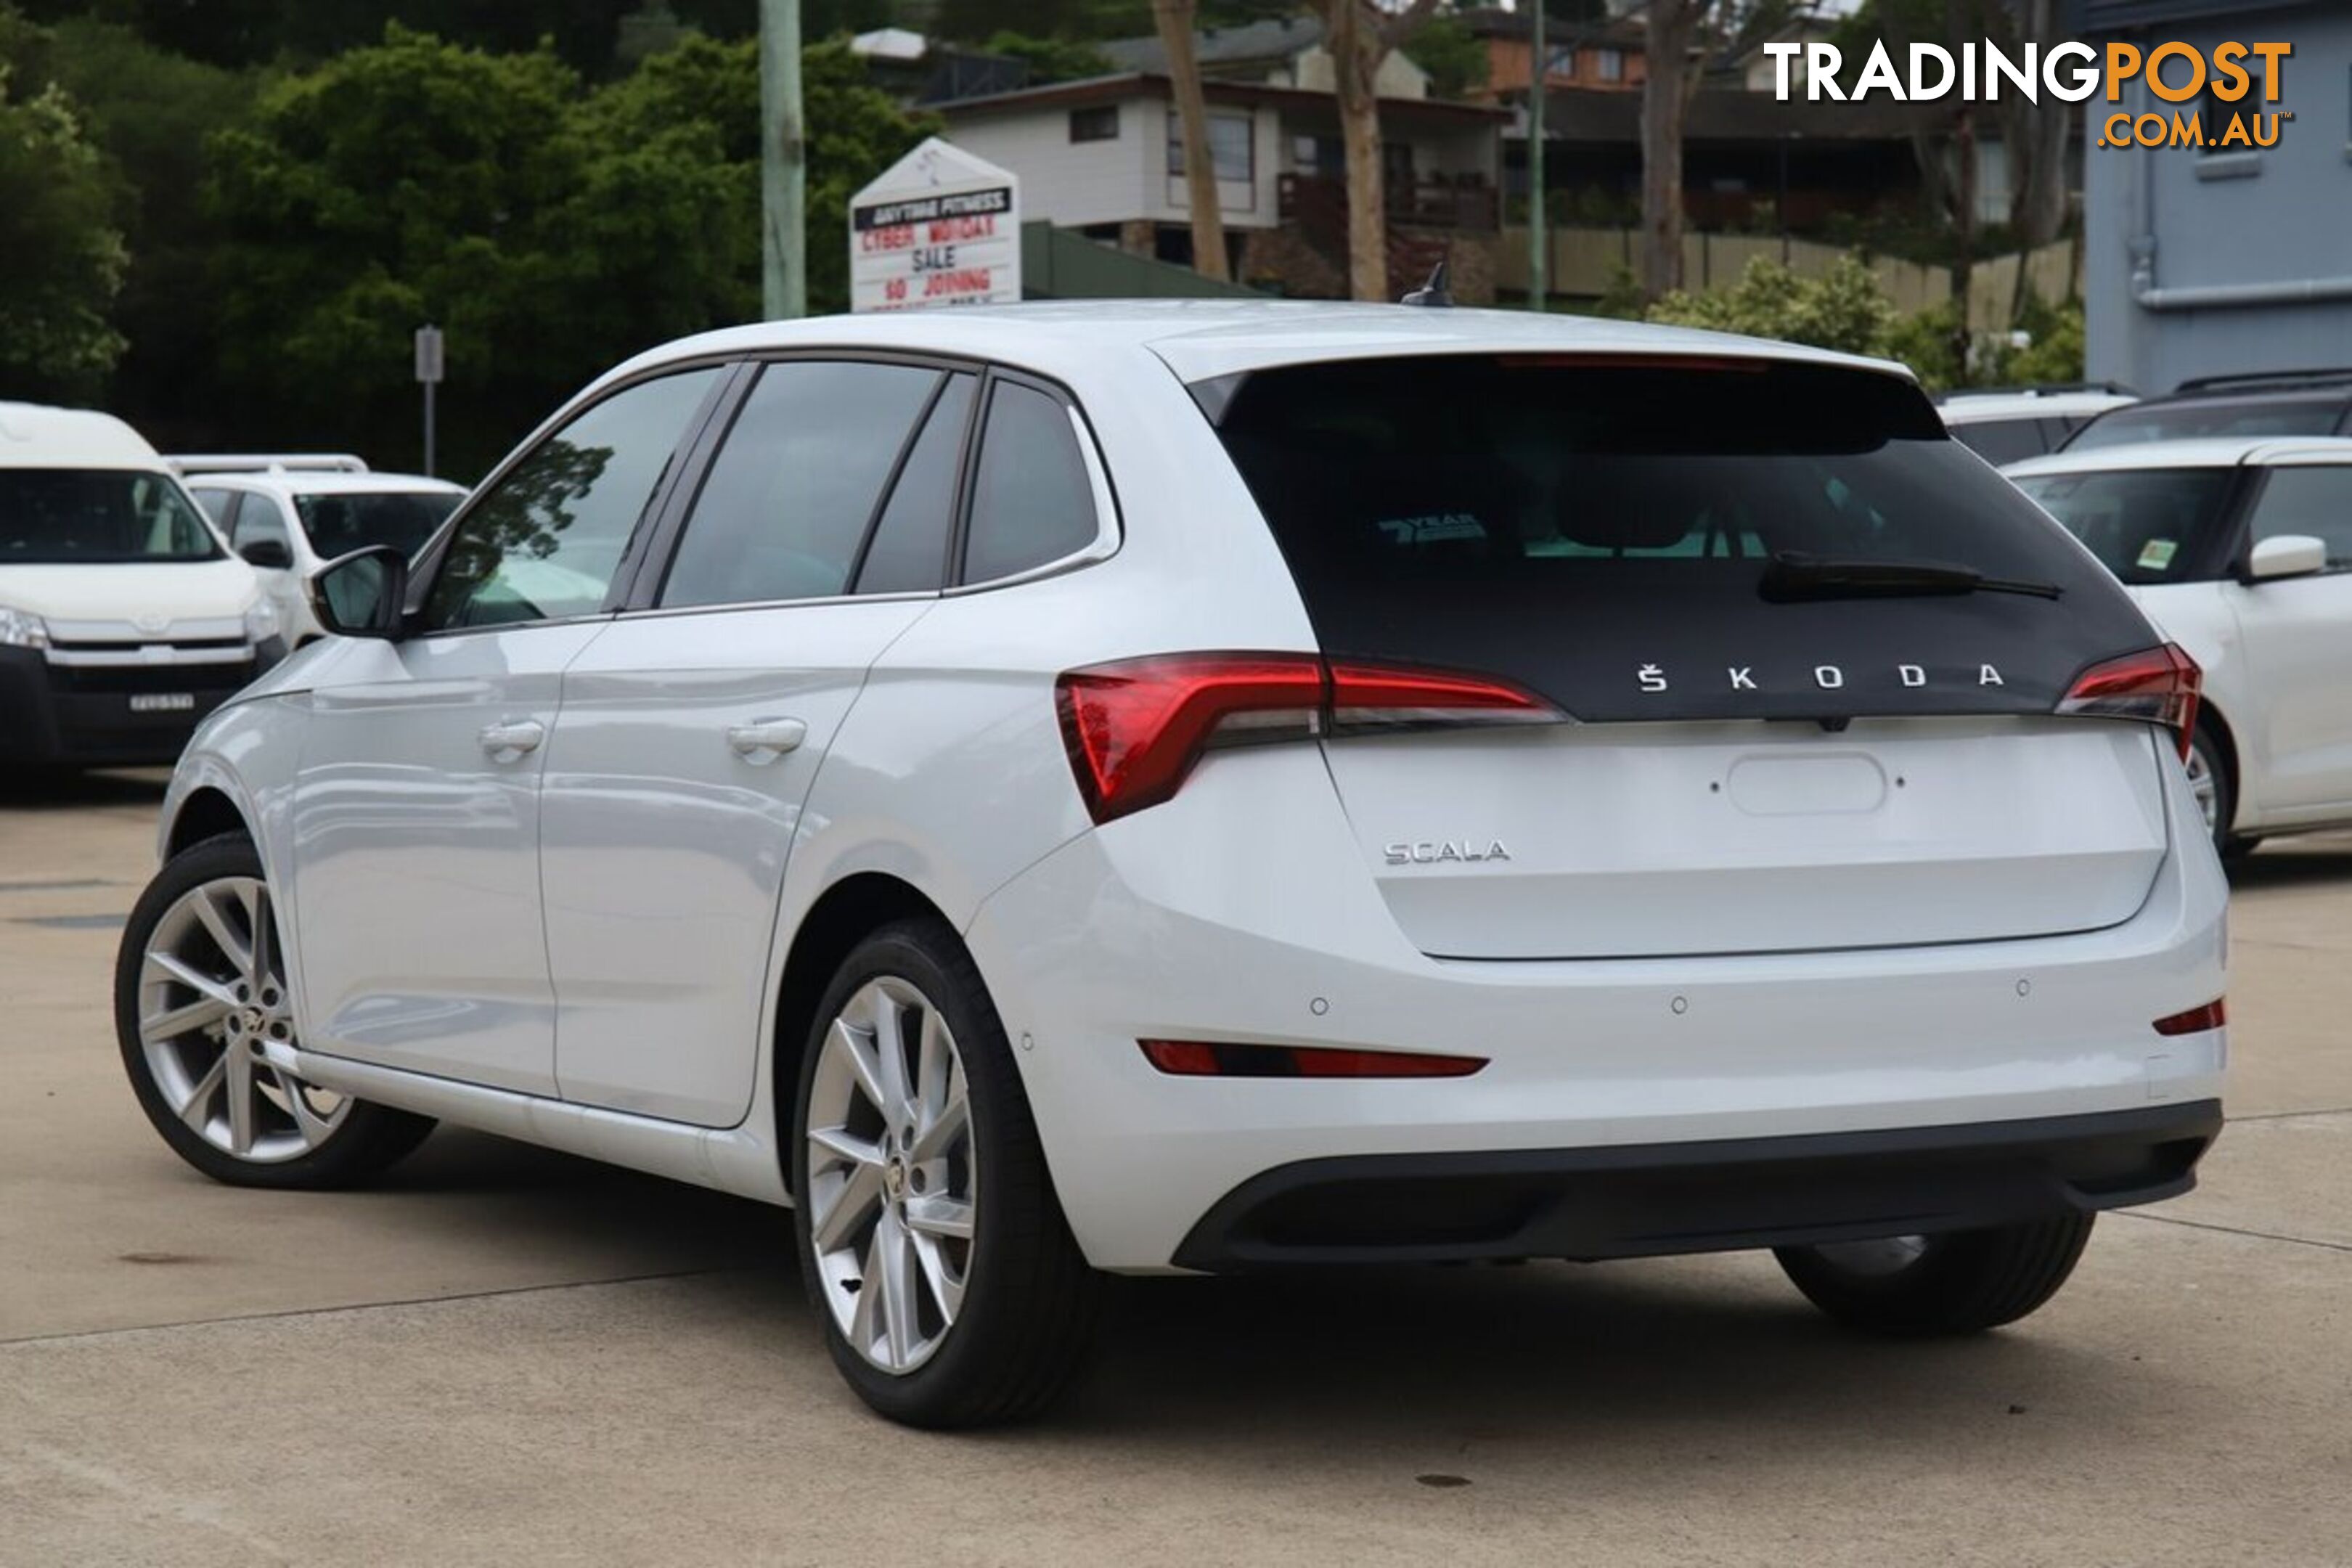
{"x": 1794, "y": 575}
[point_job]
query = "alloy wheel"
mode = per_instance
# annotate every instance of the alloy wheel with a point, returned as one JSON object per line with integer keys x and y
{"x": 211, "y": 1000}
{"x": 892, "y": 1184}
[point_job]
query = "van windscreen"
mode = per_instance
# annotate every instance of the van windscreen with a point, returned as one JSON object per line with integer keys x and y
{"x": 63, "y": 517}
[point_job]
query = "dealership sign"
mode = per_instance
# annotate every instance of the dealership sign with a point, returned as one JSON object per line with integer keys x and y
{"x": 939, "y": 227}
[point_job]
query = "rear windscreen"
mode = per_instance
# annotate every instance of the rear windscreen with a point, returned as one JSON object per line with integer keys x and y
{"x": 1602, "y": 532}
{"x": 2214, "y": 417}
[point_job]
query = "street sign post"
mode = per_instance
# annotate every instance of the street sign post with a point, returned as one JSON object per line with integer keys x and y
{"x": 939, "y": 227}
{"x": 428, "y": 375}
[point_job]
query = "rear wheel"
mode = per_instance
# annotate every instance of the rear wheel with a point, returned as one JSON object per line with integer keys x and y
{"x": 931, "y": 1244}
{"x": 1922, "y": 1287}
{"x": 2216, "y": 790}
{"x": 200, "y": 1001}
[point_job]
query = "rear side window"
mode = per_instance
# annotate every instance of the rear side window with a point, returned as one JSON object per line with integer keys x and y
{"x": 1603, "y": 532}
{"x": 909, "y": 550}
{"x": 792, "y": 490}
{"x": 1032, "y": 501}
{"x": 2314, "y": 415}
{"x": 1999, "y": 441}
{"x": 2317, "y": 500}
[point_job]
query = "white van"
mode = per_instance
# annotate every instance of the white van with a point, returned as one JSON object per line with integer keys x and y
{"x": 124, "y": 618}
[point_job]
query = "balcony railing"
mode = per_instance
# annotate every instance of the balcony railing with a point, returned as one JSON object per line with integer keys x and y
{"x": 1318, "y": 204}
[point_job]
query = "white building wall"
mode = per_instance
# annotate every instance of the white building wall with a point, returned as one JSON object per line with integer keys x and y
{"x": 1068, "y": 184}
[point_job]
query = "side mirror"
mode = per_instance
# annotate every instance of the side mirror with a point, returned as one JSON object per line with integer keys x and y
{"x": 2288, "y": 555}
{"x": 269, "y": 553}
{"x": 362, "y": 594}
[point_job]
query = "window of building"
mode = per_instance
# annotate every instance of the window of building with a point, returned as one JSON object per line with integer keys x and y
{"x": 1232, "y": 147}
{"x": 1097, "y": 124}
{"x": 1611, "y": 65}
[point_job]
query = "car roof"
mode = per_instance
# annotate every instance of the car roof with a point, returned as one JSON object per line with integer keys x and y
{"x": 37, "y": 436}
{"x": 1203, "y": 338}
{"x": 303, "y": 482}
{"x": 2210, "y": 452}
{"x": 1981, "y": 407}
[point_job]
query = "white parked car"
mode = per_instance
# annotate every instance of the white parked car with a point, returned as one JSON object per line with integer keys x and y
{"x": 1213, "y": 787}
{"x": 2240, "y": 549}
{"x": 123, "y": 619}
{"x": 290, "y": 514}
{"x": 2007, "y": 424}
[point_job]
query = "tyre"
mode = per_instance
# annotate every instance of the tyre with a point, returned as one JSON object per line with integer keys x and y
{"x": 2216, "y": 789}
{"x": 1922, "y": 1287}
{"x": 199, "y": 996}
{"x": 931, "y": 1243}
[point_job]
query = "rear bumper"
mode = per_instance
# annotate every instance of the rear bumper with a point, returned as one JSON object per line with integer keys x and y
{"x": 1714, "y": 1197}
{"x": 53, "y": 714}
{"x": 1242, "y": 911}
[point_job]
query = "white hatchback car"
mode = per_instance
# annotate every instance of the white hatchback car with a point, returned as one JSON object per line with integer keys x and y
{"x": 2240, "y": 549}
{"x": 1210, "y": 786}
{"x": 289, "y": 515}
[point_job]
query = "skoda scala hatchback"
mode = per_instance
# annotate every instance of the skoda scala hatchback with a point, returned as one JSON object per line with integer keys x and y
{"x": 1211, "y": 788}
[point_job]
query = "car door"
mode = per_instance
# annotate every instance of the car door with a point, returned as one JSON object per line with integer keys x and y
{"x": 2298, "y": 643}
{"x": 693, "y": 726}
{"x": 416, "y": 825}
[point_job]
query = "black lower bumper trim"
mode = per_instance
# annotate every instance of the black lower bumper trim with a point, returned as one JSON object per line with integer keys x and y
{"x": 1652, "y": 1199}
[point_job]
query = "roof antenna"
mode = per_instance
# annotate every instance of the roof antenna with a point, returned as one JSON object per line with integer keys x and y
{"x": 1433, "y": 292}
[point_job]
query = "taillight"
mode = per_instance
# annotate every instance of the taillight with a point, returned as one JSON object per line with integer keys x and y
{"x": 1135, "y": 728}
{"x": 2212, "y": 1015}
{"x": 1209, "y": 1058}
{"x": 2158, "y": 686}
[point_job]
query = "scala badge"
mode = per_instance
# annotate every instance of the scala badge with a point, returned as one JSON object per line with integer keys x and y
{"x": 1652, "y": 678}
{"x": 1426, "y": 853}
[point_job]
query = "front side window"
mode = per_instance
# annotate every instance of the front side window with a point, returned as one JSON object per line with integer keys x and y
{"x": 217, "y": 503}
{"x": 2316, "y": 500}
{"x": 61, "y": 517}
{"x": 546, "y": 539}
{"x": 792, "y": 490}
{"x": 1032, "y": 500}
{"x": 2146, "y": 525}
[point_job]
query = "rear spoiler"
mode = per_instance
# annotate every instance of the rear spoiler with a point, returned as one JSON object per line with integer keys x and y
{"x": 266, "y": 463}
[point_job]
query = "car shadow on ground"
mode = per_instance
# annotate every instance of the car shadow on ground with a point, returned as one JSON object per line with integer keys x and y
{"x": 2295, "y": 862}
{"x": 41, "y": 789}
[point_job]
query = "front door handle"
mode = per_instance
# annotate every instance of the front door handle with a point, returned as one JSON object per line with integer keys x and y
{"x": 509, "y": 742}
{"x": 765, "y": 740}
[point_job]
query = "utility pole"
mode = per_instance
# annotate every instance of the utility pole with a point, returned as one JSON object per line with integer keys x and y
{"x": 1538, "y": 226}
{"x": 783, "y": 164}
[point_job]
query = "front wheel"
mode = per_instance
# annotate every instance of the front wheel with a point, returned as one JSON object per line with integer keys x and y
{"x": 2216, "y": 792}
{"x": 1920, "y": 1287}
{"x": 931, "y": 1244}
{"x": 200, "y": 1000}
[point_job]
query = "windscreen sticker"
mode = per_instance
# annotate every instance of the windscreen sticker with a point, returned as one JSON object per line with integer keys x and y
{"x": 2156, "y": 554}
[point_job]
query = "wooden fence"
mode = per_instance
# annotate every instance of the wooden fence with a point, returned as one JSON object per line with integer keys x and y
{"x": 1585, "y": 262}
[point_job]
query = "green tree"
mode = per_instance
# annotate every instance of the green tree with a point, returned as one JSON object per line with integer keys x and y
{"x": 62, "y": 257}
{"x": 1454, "y": 58}
{"x": 1843, "y": 309}
{"x": 1050, "y": 59}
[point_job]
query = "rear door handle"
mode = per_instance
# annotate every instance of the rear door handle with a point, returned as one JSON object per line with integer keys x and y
{"x": 506, "y": 742}
{"x": 765, "y": 740}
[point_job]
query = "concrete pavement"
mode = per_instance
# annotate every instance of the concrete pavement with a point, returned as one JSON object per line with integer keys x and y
{"x": 504, "y": 1355}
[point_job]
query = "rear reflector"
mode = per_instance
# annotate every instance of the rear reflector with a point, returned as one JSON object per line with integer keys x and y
{"x": 1204, "y": 1058}
{"x": 2194, "y": 1021}
{"x": 2157, "y": 686}
{"x": 1134, "y": 728}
